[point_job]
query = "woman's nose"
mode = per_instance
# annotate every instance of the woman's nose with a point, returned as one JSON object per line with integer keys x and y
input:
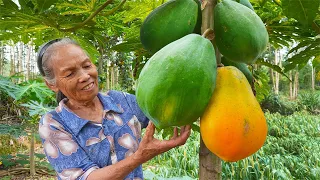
{"x": 84, "y": 76}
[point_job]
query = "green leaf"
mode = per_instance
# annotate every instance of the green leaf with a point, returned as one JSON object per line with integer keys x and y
{"x": 272, "y": 66}
{"x": 36, "y": 108}
{"x": 39, "y": 89}
{"x": 302, "y": 53}
{"x": 9, "y": 4}
{"x": 303, "y": 11}
{"x": 23, "y": 156}
{"x": 129, "y": 45}
{"x": 40, "y": 156}
{"x": 45, "y": 4}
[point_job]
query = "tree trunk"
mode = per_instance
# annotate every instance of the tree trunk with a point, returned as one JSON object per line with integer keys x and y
{"x": 210, "y": 164}
{"x": 275, "y": 75}
{"x": 313, "y": 77}
{"x": 107, "y": 75}
{"x": 20, "y": 50}
{"x": 32, "y": 162}
{"x": 1, "y": 58}
{"x": 296, "y": 84}
{"x": 112, "y": 76}
{"x": 12, "y": 61}
{"x": 290, "y": 85}
{"x": 28, "y": 58}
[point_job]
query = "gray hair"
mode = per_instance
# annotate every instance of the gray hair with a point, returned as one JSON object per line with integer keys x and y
{"x": 48, "y": 55}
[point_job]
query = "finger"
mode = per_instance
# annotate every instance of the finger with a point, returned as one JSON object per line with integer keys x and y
{"x": 187, "y": 130}
{"x": 182, "y": 129}
{"x": 183, "y": 135}
{"x": 150, "y": 130}
{"x": 175, "y": 133}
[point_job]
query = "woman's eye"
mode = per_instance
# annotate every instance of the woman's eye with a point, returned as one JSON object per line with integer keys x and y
{"x": 87, "y": 66}
{"x": 69, "y": 74}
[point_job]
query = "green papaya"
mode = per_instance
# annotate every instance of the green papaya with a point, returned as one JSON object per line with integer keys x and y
{"x": 241, "y": 66}
{"x": 240, "y": 33}
{"x": 245, "y": 3}
{"x": 169, "y": 22}
{"x": 175, "y": 85}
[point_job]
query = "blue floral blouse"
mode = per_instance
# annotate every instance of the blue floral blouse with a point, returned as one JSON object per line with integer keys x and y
{"x": 75, "y": 146}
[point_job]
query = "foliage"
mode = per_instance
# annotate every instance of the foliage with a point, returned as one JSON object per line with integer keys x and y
{"x": 22, "y": 160}
{"x": 275, "y": 103}
{"x": 9, "y": 144}
{"x": 310, "y": 101}
{"x": 177, "y": 162}
{"x": 290, "y": 22}
{"x": 13, "y": 130}
{"x": 261, "y": 86}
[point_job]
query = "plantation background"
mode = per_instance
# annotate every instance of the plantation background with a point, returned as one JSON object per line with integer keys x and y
{"x": 287, "y": 83}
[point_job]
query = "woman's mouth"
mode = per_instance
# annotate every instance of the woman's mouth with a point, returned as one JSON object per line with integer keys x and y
{"x": 88, "y": 87}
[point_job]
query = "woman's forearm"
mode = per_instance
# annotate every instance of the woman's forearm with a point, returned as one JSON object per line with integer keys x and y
{"x": 119, "y": 170}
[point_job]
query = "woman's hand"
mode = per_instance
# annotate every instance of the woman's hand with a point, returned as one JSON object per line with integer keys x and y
{"x": 151, "y": 147}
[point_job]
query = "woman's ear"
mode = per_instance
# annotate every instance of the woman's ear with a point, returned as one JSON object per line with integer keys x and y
{"x": 53, "y": 87}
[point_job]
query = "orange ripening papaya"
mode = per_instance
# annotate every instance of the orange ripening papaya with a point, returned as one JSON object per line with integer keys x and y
{"x": 233, "y": 125}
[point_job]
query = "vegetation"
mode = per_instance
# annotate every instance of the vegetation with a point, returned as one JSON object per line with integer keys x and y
{"x": 291, "y": 151}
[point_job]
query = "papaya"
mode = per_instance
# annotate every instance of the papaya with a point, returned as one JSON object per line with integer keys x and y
{"x": 233, "y": 125}
{"x": 240, "y": 33}
{"x": 169, "y": 22}
{"x": 175, "y": 85}
{"x": 246, "y": 3}
{"x": 241, "y": 66}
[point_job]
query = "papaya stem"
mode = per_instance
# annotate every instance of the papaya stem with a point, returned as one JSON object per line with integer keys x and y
{"x": 208, "y": 34}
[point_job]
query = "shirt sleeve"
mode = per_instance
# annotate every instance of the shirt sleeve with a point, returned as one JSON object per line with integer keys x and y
{"x": 143, "y": 119}
{"x": 68, "y": 159}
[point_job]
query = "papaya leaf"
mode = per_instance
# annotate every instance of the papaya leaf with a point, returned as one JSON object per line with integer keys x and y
{"x": 130, "y": 45}
{"x": 26, "y": 6}
{"x": 36, "y": 108}
{"x": 43, "y": 5}
{"x": 302, "y": 53}
{"x": 40, "y": 156}
{"x": 27, "y": 90}
{"x": 272, "y": 66}
{"x": 9, "y": 4}
{"x": 7, "y": 86}
{"x": 303, "y": 11}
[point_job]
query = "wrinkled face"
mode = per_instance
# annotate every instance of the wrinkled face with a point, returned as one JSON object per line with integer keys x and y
{"x": 76, "y": 77}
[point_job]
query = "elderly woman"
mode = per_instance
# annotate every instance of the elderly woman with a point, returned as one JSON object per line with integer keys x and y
{"x": 91, "y": 135}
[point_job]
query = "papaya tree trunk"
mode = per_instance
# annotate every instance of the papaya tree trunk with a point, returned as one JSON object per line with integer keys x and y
{"x": 210, "y": 164}
{"x": 32, "y": 162}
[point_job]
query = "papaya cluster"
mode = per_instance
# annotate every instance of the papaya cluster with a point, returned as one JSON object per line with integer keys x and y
{"x": 181, "y": 82}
